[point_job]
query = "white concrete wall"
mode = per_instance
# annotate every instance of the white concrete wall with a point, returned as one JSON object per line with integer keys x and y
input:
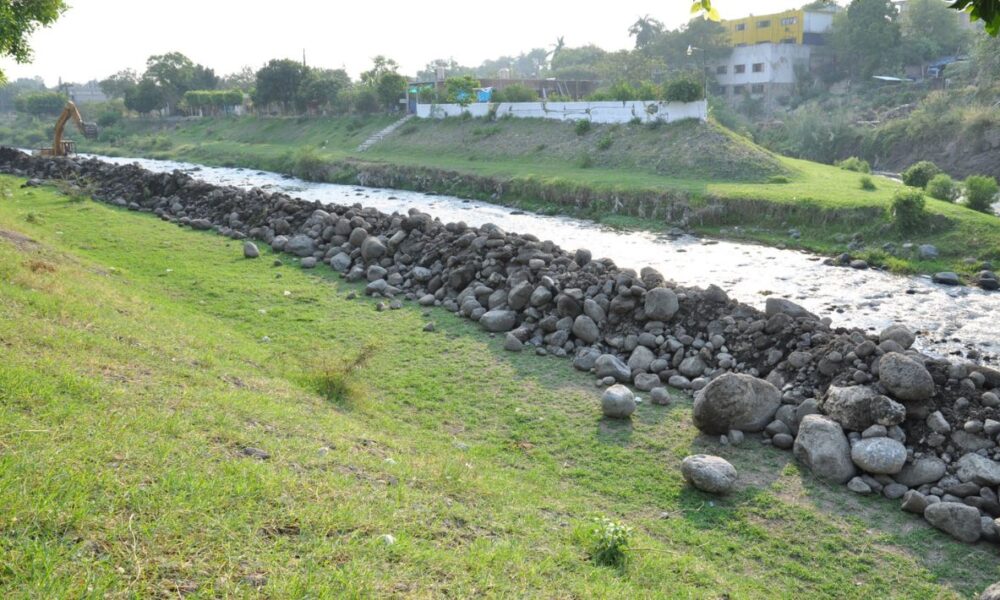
{"x": 818, "y": 22}
{"x": 779, "y": 62}
{"x": 598, "y": 112}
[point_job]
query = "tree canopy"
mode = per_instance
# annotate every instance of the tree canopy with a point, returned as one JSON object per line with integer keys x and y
{"x": 18, "y": 20}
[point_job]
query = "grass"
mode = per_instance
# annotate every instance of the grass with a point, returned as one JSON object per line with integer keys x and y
{"x": 755, "y": 195}
{"x": 175, "y": 419}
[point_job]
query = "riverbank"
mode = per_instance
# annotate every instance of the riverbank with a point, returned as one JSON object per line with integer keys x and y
{"x": 706, "y": 179}
{"x": 232, "y": 466}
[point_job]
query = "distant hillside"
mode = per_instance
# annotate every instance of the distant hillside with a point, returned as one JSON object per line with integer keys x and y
{"x": 686, "y": 150}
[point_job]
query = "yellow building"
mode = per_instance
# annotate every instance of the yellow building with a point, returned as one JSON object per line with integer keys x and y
{"x": 788, "y": 27}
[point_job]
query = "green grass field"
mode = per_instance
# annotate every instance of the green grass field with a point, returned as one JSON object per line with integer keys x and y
{"x": 144, "y": 368}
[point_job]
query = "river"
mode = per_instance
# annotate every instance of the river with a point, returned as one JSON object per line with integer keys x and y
{"x": 948, "y": 319}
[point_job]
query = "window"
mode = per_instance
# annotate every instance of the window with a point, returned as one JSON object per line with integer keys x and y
{"x": 741, "y": 27}
{"x": 721, "y": 70}
{"x": 764, "y": 24}
{"x": 739, "y": 68}
{"x": 789, "y": 21}
{"x": 739, "y": 90}
{"x": 757, "y": 88}
{"x": 758, "y": 67}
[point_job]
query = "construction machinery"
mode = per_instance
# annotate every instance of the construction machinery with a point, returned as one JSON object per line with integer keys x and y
{"x": 61, "y": 147}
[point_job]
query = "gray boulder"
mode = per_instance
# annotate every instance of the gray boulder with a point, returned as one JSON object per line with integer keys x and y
{"x": 958, "y": 520}
{"x": 512, "y": 344}
{"x": 774, "y": 306}
{"x": 905, "y": 378}
{"x": 859, "y": 407}
{"x": 692, "y": 366}
{"x": 340, "y": 262}
{"x": 300, "y": 245}
{"x": 979, "y": 469}
{"x": 822, "y": 446}
{"x": 609, "y": 365}
{"x": 735, "y": 401}
{"x": 498, "y": 321}
{"x": 372, "y": 248}
{"x": 641, "y": 358}
{"x": 585, "y": 329}
{"x": 618, "y": 402}
{"x": 879, "y": 456}
{"x": 899, "y": 334}
{"x": 586, "y": 358}
{"x": 661, "y": 304}
{"x": 711, "y": 474}
{"x": 250, "y": 250}
{"x": 645, "y": 382}
{"x": 921, "y": 472}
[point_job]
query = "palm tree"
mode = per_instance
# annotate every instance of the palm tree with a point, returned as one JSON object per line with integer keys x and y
{"x": 556, "y": 48}
{"x": 645, "y": 29}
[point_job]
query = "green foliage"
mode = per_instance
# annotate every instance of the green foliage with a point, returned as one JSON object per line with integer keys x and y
{"x": 980, "y": 192}
{"x": 41, "y": 103}
{"x": 920, "y": 173}
{"x": 338, "y": 379}
{"x": 941, "y": 187}
{"x": 309, "y": 165}
{"x": 856, "y": 164}
{"x": 279, "y": 82}
{"x": 323, "y": 89}
{"x": 390, "y": 89}
{"x": 907, "y": 210}
{"x": 18, "y": 20}
{"x": 867, "y": 37}
{"x": 585, "y": 160}
{"x": 867, "y": 184}
{"x": 605, "y": 142}
{"x": 145, "y": 97}
{"x": 987, "y": 11}
{"x": 117, "y": 85}
{"x": 609, "y": 543}
{"x": 930, "y": 30}
{"x": 516, "y": 92}
{"x": 582, "y": 126}
{"x": 213, "y": 101}
{"x": 364, "y": 100}
{"x": 461, "y": 90}
{"x": 778, "y": 179}
{"x": 686, "y": 87}
{"x": 108, "y": 118}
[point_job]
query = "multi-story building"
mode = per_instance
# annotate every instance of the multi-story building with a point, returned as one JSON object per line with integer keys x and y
{"x": 768, "y": 53}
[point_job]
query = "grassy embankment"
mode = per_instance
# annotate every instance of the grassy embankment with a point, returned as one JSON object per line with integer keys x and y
{"x": 742, "y": 190}
{"x": 137, "y": 392}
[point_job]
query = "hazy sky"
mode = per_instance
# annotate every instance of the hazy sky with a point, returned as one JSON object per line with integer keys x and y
{"x": 98, "y": 37}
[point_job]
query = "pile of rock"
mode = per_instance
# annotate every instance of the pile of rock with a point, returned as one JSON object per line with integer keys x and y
{"x": 857, "y": 408}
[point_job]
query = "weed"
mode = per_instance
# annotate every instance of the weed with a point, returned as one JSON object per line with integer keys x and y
{"x": 337, "y": 380}
{"x": 605, "y": 142}
{"x": 585, "y": 161}
{"x": 867, "y": 183}
{"x": 609, "y": 542}
{"x": 582, "y": 127}
{"x": 907, "y": 210}
{"x": 854, "y": 163}
{"x": 778, "y": 179}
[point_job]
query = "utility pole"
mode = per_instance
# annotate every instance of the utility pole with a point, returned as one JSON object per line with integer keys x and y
{"x": 704, "y": 68}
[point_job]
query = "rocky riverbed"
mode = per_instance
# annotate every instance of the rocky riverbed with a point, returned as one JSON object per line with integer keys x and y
{"x": 857, "y": 407}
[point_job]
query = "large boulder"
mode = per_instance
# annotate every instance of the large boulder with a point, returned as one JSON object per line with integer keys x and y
{"x": 978, "y": 469}
{"x": 641, "y": 358}
{"x": 585, "y": 329}
{"x": 498, "y": 321}
{"x": 301, "y": 245}
{"x": 735, "y": 401}
{"x": 372, "y": 248}
{"x": 921, "y": 471}
{"x": 618, "y": 402}
{"x": 711, "y": 474}
{"x": 879, "y": 455}
{"x": 822, "y": 446}
{"x": 958, "y": 520}
{"x": 905, "y": 378}
{"x": 609, "y": 365}
{"x": 586, "y": 358}
{"x": 774, "y": 306}
{"x": 859, "y": 407}
{"x": 899, "y": 334}
{"x": 661, "y": 304}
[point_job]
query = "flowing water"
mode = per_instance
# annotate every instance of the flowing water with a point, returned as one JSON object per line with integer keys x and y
{"x": 948, "y": 319}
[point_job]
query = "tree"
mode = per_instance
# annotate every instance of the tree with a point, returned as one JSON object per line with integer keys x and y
{"x": 391, "y": 87}
{"x": 930, "y": 30}
{"x": 145, "y": 97}
{"x": 867, "y": 38}
{"x": 203, "y": 78}
{"x": 987, "y": 11}
{"x": 244, "y": 80}
{"x": 18, "y": 20}
{"x": 461, "y": 90}
{"x": 380, "y": 66}
{"x": 173, "y": 73}
{"x": 986, "y": 60}
{"x": 279, "y": 82}
{"x": 41, "y": 103}
{"x": 644, "y": 30}
{"x": 117, "y": 85}
{"x": 322, "y": 89}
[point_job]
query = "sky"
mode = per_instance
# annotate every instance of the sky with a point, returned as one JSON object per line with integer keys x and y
{"x": 96, "y": 38}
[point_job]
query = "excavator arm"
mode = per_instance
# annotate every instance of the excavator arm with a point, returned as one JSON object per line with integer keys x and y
{"x": 62, "y": 147}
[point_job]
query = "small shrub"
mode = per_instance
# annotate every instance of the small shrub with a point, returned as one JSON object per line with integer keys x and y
{"x": 582, "y": 126}
{"x": 854, "y": 163}
{"x": 907, "y": 210}
{"x": 778, "y": 179}
{"x": 941, "y": 187}
{"x": 684, "y": 88}
{"x": 337, "y": 381}
{"x": 516, "y": 92}
{"x": 605, "y": 142}
{"x": 408, "y": 129}
{"x": 540, "y": 147}
{"x": 610, "y": 541}
{"x": 867, "y": 183}
{"x": 585, "y": 161}
{"x": 920, "y": 173}
{"x": 108, "y": 119}
{"x": 980, "y": 192}
{"x": 309, "y": 165}
{"x": 635, "y": 121}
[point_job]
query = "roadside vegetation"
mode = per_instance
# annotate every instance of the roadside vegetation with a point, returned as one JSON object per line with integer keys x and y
{"x": 180, "y": 420}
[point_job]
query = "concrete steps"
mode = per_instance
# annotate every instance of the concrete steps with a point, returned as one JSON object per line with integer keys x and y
{"x": 380, "y": 135}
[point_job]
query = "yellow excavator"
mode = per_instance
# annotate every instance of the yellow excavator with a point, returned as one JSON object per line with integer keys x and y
{"x": 61, "y": 147}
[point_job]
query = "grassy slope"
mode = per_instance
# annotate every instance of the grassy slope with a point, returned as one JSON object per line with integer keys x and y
{"x": 707, "y": 163}
{"x": 133, "y": 374}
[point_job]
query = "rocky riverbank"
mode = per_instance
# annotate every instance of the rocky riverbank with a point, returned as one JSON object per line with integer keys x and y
{"x": 856, "y": 408}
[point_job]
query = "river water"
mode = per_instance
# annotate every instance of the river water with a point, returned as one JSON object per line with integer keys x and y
{"x": 948, "y": 319}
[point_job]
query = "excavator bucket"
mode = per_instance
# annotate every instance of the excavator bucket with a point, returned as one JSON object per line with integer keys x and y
{"x": 90, "y": 131}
